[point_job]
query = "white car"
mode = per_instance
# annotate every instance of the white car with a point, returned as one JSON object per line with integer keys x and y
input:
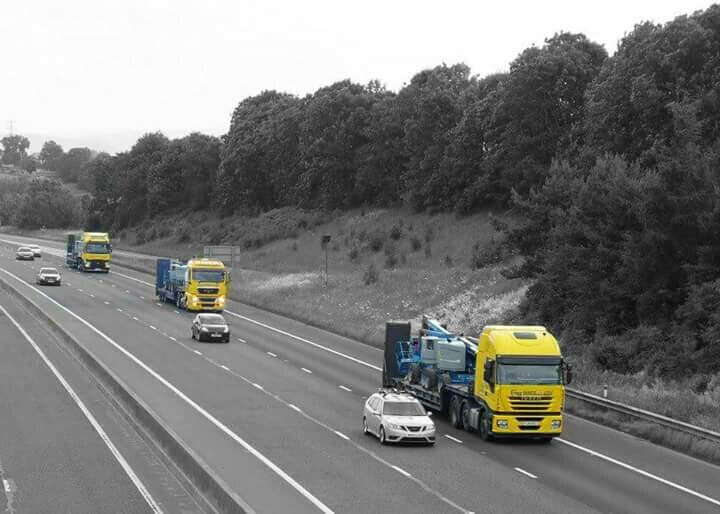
{"x": 48, "y": 276}
{"x": 37, "y": 252}
{"x": 397, "y": 418}
{"x": 24, "y": 254}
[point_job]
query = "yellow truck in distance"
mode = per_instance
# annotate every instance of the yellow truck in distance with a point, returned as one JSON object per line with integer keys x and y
{"x": 197, "y": 285}
{"x": 511, "y": 383}
{"x": 89, "y": 251}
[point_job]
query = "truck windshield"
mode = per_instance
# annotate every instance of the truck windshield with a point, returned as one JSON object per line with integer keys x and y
{"x": 97, "y": 248}
{"x": 540, "y": 373}
{"x": 208, "y": 275}
{"x": 403, "y": 409}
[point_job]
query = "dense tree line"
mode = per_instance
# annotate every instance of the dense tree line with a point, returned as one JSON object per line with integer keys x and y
{"x": 36, "y": 203}
{"x": 610, "y": 163}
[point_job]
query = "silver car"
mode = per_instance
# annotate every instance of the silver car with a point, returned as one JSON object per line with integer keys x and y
{"x": 397, "y": 418}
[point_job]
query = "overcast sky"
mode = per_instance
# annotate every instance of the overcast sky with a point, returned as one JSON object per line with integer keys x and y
{"x": 102, "y": 72}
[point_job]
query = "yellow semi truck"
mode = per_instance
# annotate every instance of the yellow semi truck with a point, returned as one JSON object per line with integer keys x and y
{"x": 89, "y": 251}
{"x": 195, "y": 285}
{"x": 510, "y": 383}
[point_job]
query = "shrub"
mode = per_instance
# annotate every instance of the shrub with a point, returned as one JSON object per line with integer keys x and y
{"x": 428, "y": 251}
{"x": 182, "y": 233}
{"x": 415, "y": 243}
{"x": 354, "y": 253}
{"x": 396, "y": 232}
{"x": 377, "y": 240}
{"x": 294, "y": 246}
{"x": 429, "y": 234}
{"x": 371, "y": 275}
{"x": 391, "y": 255}
{"x": 448, "y": 261}
{"x": 140, "y": 237}
{"x": 486, "y": 255}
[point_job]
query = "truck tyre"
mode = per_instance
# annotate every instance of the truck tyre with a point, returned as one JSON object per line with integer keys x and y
{"x": 485, "y": 428}
{"x": 382, "y": 436}
{"x": 455, "y": 413}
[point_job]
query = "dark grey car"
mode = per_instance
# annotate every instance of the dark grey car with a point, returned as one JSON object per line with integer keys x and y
{"x": 210, "y": 327}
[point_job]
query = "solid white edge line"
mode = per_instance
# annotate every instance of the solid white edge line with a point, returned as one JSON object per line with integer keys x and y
{"x": 401, "y": 471}
{"x": 223, "y": 428}
{"x": 639, "y": 471}
{"x": 306, "y": 371}
{"x": 271, "y": 354}
{"x": 199, "y": 353}
{"x": 526, "y": 473}
{"x": 453, "y": 438}
{"x": 294, "y": 407}
{"x": 342, "y": 435}
{"x": 258, "y": 386}
{"x": 172, "y": 338}
{"x": 100, "y": 431}
{"x": 223, "y": 366}
{"x": 152, "y": 327}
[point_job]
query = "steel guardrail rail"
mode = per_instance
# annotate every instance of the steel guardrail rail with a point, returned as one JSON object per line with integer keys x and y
{"x": 645, "y": 415}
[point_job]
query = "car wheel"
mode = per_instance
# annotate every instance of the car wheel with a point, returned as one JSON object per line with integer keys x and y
{"x": 192, "y": 334}
{"x": 227, "y": 339}
{"x": 382, "y": 436}
{"x": 365, "y": 427}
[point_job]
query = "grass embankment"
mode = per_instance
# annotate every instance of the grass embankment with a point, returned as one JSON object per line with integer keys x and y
{"x": 387, "y": 264}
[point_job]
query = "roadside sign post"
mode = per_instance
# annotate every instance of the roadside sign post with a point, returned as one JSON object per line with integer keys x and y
{"x": 324, "y": 244}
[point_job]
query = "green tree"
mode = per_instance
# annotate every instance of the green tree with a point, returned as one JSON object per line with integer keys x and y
{"x": 51, "y": 155}
{"x": 70, "y": 164}
{"x": 14, "y": 148}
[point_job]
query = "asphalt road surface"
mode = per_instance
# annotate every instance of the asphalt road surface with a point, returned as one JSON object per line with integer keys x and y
{"x": 276, "y": 413}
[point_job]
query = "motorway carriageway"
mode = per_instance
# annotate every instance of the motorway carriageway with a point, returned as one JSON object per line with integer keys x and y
{"x": 294, "y": 394}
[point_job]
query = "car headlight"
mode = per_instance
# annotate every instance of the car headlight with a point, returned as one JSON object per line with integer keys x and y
{"x": 502, "y": 423}
{"x": 394, "y": 426}
{"x": 226, "y": 329}
{"x": 556, "y": 424}
{"x": 203, "y": 329}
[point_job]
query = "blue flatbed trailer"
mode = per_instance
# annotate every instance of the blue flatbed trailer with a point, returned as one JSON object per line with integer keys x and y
{"x": 169, "y": 281}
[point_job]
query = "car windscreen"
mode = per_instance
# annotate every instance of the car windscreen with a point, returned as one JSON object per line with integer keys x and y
{"x": 97, "y": 248}
{"x": 212, "y": 319}
{"x": 24, "y": 249}
{"x": 403, "y": 409}
{"x": 48, "y": 271}
{"x": 208, "y": 275}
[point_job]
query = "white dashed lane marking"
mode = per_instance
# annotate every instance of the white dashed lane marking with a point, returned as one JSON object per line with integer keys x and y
{"x": 345, "y": 388}
{"x": 526, "y": 473}
{"x": 453, "y": 438}
{"x": 306, "y": 370}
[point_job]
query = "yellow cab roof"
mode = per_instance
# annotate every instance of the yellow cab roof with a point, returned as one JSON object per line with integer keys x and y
{"x": 205, "y": 263}
{"x": 508, "y": 340}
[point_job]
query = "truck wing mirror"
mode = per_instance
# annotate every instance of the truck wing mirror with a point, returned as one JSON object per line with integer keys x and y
{"x": 568, "y": 373}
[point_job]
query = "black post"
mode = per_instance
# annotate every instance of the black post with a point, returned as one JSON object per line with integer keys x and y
{"x": 324, "y": 243}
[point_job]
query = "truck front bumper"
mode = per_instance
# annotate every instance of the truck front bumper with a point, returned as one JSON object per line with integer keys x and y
{"x": 527, "y": 425}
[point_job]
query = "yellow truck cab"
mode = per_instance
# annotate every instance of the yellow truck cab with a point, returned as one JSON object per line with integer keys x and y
{"x": 89, "y": 251}
{"x": 519, "y": 384}
{"x": 198, "y": 285}
{"x": 511, "y": 383}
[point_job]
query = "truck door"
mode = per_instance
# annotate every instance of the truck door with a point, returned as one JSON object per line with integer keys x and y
{"x": 489, "y": 393}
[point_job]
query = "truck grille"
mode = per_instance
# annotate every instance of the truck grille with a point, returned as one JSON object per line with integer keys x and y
{"x": 208, "y": 290}
{"x": 531, "y": 403}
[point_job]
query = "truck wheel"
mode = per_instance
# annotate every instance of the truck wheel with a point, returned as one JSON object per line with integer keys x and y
{"x": 485, "y": 433}
{"x": 455, "y": 414}
{"x": 465, "y": 415}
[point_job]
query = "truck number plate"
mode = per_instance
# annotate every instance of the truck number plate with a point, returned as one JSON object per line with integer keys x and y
{"x": 528, "y": 423}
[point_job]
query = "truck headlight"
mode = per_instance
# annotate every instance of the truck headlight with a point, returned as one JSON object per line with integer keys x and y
{"x": 502, "y": 423}
{"x": 107, "y": 264}
{"x": 221, "y": 300}
{"x": 193, "y": 298}
{"x": 556, "y": 424}
{"x": 87, "y": 264}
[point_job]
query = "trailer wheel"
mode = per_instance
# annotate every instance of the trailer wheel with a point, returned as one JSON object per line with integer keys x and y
{"x": 455, "y": 414}
{"x": 414, "y": 373}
